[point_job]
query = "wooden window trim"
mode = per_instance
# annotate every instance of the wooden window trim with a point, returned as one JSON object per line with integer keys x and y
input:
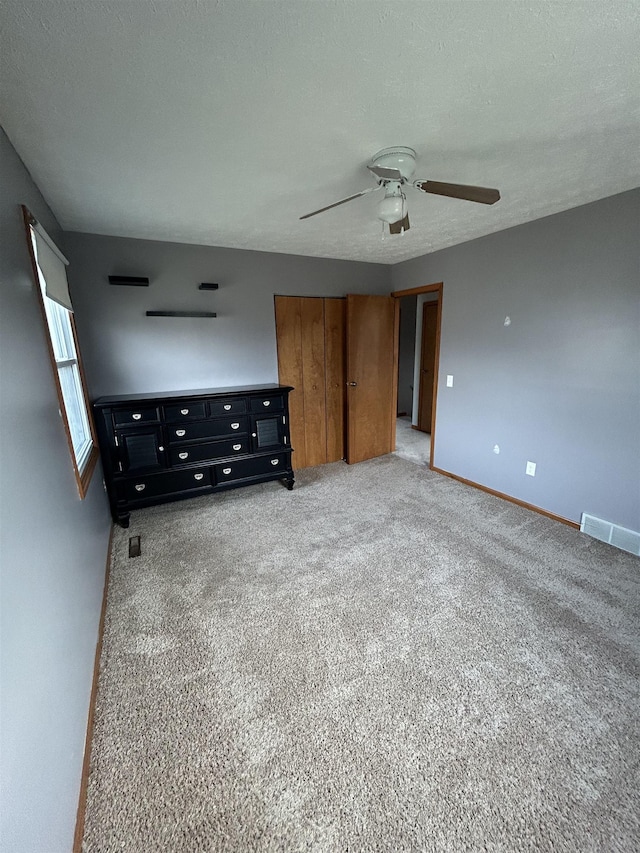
{"x": 84, "y": 477}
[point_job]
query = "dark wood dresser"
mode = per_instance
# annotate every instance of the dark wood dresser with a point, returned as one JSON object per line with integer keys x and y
{"x": 166, "y": 447}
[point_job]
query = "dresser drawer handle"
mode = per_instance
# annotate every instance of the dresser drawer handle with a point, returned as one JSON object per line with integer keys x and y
{"x": 180, "y": 432}
{"x": 183, "y": 455}
{"x": 136, "y": 417}
{"x": 235, "y": 426}
{"x": 275, "y": 461}
{"x": 227, "y": 408}
{"x": 184, "y": 411}
{"x": 198, "y": 476}
{"x": 161, "y": 447}
{"x": 266, "y": 402}
{"x": 140, "y": 487}
{"x": 237, "y": 447}
{"x": 226, "y": 470}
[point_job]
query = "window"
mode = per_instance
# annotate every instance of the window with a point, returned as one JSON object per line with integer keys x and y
{"x": 51, "y": 279}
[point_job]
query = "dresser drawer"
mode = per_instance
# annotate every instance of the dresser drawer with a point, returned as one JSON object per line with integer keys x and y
{"x": 207, "y": 429}
{"x": 191, "y": 411}
{"x": 268, "y": 403}
{"x": 154, "y": 485}
{"x": 226, "y": 472}
{"x": 232, "y": 406}
{"x": 143, "y": 415}
{"x": 183, "y": 455}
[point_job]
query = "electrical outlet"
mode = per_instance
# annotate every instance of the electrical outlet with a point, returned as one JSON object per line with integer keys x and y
{"x": 531, "y": 469}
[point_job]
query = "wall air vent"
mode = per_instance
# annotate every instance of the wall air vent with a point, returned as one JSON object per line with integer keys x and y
{"x": 612, "y": 534}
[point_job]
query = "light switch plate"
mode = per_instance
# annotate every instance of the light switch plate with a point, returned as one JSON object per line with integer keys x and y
{"x": 531, "y": 469}
{"x": 449, "y": 380}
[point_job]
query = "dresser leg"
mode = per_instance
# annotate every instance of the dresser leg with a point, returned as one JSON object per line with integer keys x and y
{"x": 290, "y": 483}
{"x": 123, "y": 520}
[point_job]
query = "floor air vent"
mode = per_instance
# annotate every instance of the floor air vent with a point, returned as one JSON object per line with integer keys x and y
{"x": 612, "y": 534}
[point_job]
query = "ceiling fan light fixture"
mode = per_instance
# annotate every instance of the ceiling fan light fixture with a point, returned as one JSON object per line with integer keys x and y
{"x": 391, "y": 208}
{"x": 393, "y": 169}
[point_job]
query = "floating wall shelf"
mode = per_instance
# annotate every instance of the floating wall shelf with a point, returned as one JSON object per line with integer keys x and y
{"x": 129, "y": 280}
{"x": 181, "y": 314}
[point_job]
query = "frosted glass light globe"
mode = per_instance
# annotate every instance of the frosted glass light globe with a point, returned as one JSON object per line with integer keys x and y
{"x": 390, "y": 208}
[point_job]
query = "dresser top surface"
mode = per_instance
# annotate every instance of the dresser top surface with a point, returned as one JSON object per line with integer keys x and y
{"x": 235, "y": 390}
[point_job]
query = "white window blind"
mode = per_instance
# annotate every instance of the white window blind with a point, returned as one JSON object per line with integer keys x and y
{"x": 53, "y": 266}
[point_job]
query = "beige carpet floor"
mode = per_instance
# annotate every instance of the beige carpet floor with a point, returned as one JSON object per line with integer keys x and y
{"x": 382, "y": 659}
{"x": 412, "y": 444}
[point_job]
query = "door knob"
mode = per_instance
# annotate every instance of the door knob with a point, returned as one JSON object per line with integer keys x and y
{"x": 353, "y": 384}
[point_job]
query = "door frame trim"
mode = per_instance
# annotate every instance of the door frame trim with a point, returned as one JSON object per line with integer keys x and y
{"x": 438, "y": 288}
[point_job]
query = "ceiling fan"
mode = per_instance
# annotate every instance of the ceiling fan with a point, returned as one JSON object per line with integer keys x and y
{"x": 394, "y": 168}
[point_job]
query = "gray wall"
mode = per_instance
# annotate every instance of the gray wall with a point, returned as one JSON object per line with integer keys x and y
{"x": 128, "y": 352}
{"x": 53, "y": 550}
{"x": 560, "y": 386}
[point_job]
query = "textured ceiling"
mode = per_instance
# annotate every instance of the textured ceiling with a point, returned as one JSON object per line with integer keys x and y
{"x": 222, "y": 123}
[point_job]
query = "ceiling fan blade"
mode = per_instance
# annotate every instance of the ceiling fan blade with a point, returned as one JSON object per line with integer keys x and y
{"x": 484, "y": 195}
{"x": 386, "y": 173}
{"x": 342, "y": 201}
{"x": 399, "y": 226}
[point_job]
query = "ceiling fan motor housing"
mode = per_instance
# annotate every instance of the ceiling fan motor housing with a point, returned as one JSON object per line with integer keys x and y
{"x": 400, "y": 158}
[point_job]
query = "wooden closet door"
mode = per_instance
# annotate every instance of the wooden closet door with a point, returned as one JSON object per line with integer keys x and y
{"x": 313, "y": 381}
{"x": 335, "y": 376}
{"x": 310, "y": 334}
{"x": 288, "y": 311}
{"x": 372, "y": 374}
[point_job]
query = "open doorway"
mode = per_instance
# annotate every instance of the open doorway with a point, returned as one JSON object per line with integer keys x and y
{"x": 418, "y": 352}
